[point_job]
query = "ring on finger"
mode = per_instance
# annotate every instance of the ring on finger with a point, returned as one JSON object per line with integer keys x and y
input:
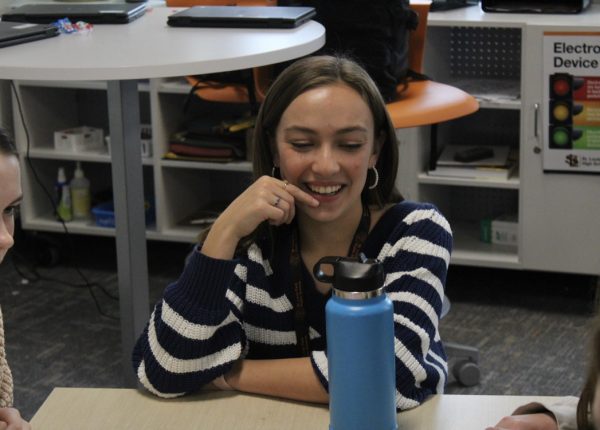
{"x": 277, "y": 200}
{"x": 285, "y": 184}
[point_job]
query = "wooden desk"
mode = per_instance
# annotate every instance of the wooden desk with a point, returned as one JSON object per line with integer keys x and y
{"x": 129, "y": 409}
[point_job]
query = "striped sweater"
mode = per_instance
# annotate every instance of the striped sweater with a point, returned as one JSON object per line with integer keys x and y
{"x": 222, "y": 310}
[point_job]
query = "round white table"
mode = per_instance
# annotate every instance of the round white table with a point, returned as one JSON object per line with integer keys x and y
{"x": 122, "y": 54}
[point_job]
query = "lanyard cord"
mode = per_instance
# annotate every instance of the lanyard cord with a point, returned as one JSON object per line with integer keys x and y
{"x": 297, "y": 293}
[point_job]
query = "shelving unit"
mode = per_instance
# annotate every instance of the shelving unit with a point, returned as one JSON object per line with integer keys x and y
{"x": 176, "y": 188}
{"x": 496, "y": 57}
{"x": 460, "y": 56}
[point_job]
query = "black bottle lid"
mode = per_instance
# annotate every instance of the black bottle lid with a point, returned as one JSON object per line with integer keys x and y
{"x": 351, "y": 274}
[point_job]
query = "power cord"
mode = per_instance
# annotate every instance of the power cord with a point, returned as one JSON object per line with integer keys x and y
{"x": 86, "y": 283}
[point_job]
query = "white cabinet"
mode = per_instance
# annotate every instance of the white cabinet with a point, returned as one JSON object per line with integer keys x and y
{"x": 175, "y": 189}
{"x": 497, "y": 58}
{"x": 561, "y": 222}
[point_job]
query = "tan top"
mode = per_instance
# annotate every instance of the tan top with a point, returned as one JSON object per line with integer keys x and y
{"x": 6, "y": 381}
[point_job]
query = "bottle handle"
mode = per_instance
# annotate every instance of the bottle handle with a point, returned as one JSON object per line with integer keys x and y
{"x": 318, "y": 272}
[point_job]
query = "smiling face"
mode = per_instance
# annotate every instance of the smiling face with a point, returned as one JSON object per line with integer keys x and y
{"x": 325, "y": 145}
{"x": 10, "y": 197}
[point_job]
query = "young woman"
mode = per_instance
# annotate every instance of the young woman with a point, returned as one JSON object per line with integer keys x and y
{"x": 10, "y": 197}
{"x": 246, "y": 313}
{"x": 564, "y": 413}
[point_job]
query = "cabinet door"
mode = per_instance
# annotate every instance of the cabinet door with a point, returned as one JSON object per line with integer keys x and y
{"x": 560, "y": 211}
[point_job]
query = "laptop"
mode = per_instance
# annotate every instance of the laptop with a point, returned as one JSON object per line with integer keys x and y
{"x": 13, "y": 33}
{"x": 437, "y": 5}
{"x": 95, "y": 13}
{"x": 242, "y": 16}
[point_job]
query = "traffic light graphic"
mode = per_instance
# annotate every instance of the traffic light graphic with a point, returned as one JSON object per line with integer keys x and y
{"x": 562, "y": 86}
{"x": 562, "y": 137}
{"x": 562, "y": 110}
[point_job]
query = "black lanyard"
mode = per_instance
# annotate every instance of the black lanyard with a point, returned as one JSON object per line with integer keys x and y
{"x": 300, "y": 322}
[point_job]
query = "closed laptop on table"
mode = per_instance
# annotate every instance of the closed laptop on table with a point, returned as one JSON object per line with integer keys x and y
{"x": 95, "y": 13}
{"x": 242, "y": 16}
{"x": 13, "y": 33}
{"x": 535, "y": 6}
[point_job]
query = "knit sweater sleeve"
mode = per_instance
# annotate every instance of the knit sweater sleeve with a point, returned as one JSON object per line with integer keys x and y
{"x": 415, "y": 258}
{"x": 6, "y": 381}
{"x": 195, "y": 332}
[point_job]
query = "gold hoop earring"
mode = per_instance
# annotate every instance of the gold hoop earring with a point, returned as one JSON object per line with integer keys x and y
{"x": 374, "y": 184}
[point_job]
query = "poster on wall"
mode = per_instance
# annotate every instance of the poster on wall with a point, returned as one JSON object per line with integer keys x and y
{"x": 571, "y": 101}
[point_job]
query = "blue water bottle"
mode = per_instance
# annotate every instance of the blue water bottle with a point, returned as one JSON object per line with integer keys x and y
{"x": 360, "y": 346}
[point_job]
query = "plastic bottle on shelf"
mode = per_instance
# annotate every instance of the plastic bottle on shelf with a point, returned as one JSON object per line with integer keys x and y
{"x": 80, "y": 194}
{"x": 64, "y": 210}
{"x": 61, "y": 181}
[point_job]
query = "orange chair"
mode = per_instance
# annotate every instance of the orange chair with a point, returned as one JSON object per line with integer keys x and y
{"x": 426, "y": 102}
{"x": 224, "y": 92}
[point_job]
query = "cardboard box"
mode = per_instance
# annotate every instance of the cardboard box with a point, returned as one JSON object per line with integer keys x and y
{"x": 79, "y": 139}
{"x": 505, "y": 230}
{"x": 502, "y": 230}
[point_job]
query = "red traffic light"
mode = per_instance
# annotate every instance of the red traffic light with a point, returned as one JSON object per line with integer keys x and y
{"x": 561, "y": 86}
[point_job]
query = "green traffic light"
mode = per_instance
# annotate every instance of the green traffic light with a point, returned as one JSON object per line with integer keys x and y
{"x": 560, "y": 137}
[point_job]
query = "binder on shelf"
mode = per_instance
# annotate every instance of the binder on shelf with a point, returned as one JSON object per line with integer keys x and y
{"x": 205, "y": 147}
{"x": 498, "y": 163}
{"x": 482, "y": 173}
{"x": 204, "y": 217}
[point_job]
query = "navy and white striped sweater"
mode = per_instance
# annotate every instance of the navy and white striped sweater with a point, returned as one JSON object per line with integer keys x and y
{"x": 222, "y": 310}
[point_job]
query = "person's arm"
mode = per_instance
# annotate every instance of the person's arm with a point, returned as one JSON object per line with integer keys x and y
{"x": 290, "y": 378}
{"x": 558, "y": 414}
{"x": 195, "y": 333}
{"x": 415, "y": 260}
{"x": 10, "y": 419}
{"x": 538, "y": 421}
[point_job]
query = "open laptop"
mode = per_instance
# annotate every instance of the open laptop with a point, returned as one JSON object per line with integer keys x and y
{"x": 95, "y": 13}
{"x": 242, "y": 16}
{"x": 13, "y": 33}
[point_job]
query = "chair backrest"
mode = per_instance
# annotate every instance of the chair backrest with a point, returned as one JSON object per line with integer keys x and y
{"x": 189, "y": 3}
{"x": 417, "y": 37}
{"x": 426, "y": 102}
{"x": 234, "y": 93}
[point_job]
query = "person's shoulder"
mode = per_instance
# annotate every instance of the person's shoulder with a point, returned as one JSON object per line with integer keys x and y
{"x": 395, "y": 212}
{"x": 416, "y": 216}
